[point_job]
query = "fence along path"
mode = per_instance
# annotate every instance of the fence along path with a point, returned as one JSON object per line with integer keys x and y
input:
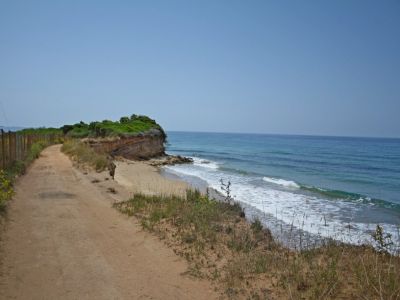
{"x": 15, "y": 146}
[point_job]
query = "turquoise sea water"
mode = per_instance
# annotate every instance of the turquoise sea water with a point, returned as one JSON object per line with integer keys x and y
{"x": 338, "y": 187}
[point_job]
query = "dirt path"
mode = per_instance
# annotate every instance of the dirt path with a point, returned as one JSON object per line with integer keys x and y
{"x": 64, "y": 241}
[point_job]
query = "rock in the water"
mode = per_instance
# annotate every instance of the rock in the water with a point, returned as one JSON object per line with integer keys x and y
{"x": 170, "y": 160}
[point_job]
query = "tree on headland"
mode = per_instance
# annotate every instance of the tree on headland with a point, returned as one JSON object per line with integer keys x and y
{"x": 124, "y": 120}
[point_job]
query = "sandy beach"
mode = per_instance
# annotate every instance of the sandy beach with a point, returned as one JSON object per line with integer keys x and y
{"x": 140, "y": 177}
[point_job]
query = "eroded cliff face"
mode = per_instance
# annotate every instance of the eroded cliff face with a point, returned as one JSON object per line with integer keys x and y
{"x": 138, "y": 147}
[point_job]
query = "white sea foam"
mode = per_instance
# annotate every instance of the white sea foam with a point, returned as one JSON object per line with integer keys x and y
{"x": 205, "y": 163}
{"x": 282, "y": 182}
{"x": 318, "y": 216}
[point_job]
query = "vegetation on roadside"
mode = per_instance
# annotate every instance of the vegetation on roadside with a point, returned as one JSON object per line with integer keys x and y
{"x": 6, "y": 190}
{"x": 17, "y": 168}
{"x": 246, "y": 262}
{"x": 41, "y": 130}
{"x": 84, "y": 155}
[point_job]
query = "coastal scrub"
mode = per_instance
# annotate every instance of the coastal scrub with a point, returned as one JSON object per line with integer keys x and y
{"x": 244, "y": 261}
{"x": 83, "y": 154}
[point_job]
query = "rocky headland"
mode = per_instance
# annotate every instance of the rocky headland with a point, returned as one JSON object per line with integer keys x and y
{"x": 133, "y": 138}
{"x": 143, "y": 146}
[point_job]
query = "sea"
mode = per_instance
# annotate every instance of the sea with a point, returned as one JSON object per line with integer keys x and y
{"x": 303, "y": 188}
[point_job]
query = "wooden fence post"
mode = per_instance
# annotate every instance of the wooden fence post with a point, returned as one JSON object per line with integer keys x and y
{"x": 18, "y": 146}
{"x": 25, "y": 142}
{"x": 14, "y": 146}
{"x": 3, "y": 151}
{"x": 9, "y": 149}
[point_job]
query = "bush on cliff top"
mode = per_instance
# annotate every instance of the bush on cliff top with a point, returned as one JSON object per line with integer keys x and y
{"x": 125, "y": 126}
{"x": 133, "y": 125}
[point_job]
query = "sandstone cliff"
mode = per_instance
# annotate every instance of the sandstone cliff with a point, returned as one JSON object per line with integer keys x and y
{"x": 138, "y": 147}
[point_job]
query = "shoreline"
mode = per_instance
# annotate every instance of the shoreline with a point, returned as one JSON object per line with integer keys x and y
{"x": 239, "y": 256}
{"x": 144, "y": 178}
{"x": 243, "y": 257}
{"x": 158, "y": 177}
{"x": 287, "y": 235}
{"x": 154, "y": 178}
{"x": 290, "y": 210}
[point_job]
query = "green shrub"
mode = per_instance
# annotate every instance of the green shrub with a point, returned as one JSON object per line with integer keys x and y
{"x": 6, "y": 190}
{"x": 35, "y": 150}
{"x": 41, "y": 130}
{"x": 124, "y": 120}
{"x": 126, "y": 126}
{"x": 66, "y": 128}
{"x": 256, "y": 226}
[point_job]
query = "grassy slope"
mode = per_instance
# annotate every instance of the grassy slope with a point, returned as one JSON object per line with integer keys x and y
{"x": 84, "y": 155}
{"x": 244, "y": 261}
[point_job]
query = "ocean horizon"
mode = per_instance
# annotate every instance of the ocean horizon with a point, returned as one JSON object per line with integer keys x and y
{"x": 289, "y": 134}
{"x": 325, "y": 186}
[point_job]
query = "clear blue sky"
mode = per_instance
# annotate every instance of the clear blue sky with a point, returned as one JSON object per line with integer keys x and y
{"x": 296, "y": 67}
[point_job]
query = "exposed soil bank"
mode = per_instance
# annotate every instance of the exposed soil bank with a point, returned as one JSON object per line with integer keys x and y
{"x": 131, "y": 147}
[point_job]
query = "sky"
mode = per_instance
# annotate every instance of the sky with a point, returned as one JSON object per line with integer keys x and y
{"x": 285, "y": 67}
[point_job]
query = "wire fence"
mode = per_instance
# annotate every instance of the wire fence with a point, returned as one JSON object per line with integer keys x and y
{"x": 15, "y": 146}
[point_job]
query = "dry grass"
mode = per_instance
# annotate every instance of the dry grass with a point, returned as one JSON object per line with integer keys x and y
{"x": 244, "y": 261}
{"x": 84, "y": 155}
{"x": 139, "y": 177}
